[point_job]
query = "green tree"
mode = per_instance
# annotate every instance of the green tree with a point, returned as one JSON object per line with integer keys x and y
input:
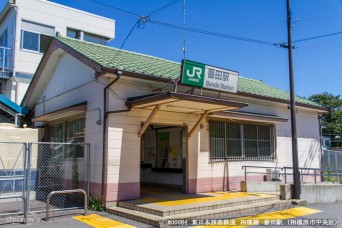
{"x": 332, "y": 121}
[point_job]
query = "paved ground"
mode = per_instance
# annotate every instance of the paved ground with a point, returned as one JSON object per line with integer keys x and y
{"x": 66, "y": 219}
{"x": 321, "y": 212}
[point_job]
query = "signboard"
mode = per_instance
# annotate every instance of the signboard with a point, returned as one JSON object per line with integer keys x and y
{"x": 204, "y": 76}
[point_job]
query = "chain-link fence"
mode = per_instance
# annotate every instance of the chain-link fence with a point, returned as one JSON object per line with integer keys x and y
{"x": 332, "y": 164}
{"x": 33, "y": 170}
{"x": 332, "y": 159}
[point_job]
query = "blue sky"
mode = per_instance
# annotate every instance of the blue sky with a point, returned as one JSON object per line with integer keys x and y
{"x": 317, "y": 63}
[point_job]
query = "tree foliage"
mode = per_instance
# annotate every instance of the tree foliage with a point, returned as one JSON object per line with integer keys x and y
{"x": 332, "y": 121}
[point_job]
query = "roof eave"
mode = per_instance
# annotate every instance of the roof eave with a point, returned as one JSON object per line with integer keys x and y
{"x": 137, "y": 75}
{"x": 54, "y": 45}
{"x": 322, "y": 109}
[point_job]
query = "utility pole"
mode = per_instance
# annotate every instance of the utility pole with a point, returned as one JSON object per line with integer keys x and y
{"x": 296, "y": 175}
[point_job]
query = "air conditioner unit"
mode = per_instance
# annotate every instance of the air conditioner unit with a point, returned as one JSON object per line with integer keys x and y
{"x": 273, "y": 175}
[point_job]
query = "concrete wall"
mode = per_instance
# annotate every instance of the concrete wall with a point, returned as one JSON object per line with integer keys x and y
{"x": 315, "y": 193}
{"x": 321, "y": 193}
{"x": 11, "y": 152}
{"x": 9, "y": 133}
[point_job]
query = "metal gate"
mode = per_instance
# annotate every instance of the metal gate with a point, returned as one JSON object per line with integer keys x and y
{"x": 13, "y": 170}
{"x": 30, "y": 171}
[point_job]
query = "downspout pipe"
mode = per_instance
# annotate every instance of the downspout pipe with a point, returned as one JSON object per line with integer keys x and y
{"x": 104, "y": 155}
{"x": 15, "y": 39}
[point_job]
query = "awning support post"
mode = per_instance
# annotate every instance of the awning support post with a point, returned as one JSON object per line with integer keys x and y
{"x": 149, "y": 119}
{"x": 197, "y": 123}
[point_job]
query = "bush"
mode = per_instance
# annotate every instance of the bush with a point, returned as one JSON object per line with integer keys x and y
{"x": 95, "y": 204}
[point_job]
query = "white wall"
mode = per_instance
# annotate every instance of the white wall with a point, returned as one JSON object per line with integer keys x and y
{"x": 72, "y": 83}
{"x": 308, "y": 146}
{"x": 51, "y": 14}
{"x": 60, "y": 17}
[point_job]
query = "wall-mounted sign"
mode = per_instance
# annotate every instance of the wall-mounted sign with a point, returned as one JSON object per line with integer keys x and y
{"x": 204, "y": 76}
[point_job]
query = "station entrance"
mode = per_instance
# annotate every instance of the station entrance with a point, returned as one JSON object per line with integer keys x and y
{"x": 163, "y": 157}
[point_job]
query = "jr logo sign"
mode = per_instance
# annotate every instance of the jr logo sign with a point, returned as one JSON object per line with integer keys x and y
{"x": 204, "y": 76}
{"x": 193, "y": 73}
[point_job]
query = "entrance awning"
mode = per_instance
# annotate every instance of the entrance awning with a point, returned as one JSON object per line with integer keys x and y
{"x": 181, "y": 103}
{"x": 62, "y": 113}
{"x": 246, "y": 116}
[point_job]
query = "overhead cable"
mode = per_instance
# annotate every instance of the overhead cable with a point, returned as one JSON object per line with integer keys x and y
{"x": 317, "y": 37}
{"x": 116, "y": 8}
{"x": 212, "y": 33}
{"x": 162, "y": 8}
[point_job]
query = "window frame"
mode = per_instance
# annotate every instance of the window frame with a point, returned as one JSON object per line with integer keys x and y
{"x": 214, "y": 147}
{"x": 39, "y": 41}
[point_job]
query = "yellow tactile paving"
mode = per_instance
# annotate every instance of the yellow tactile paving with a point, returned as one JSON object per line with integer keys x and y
{"x": 204, "y": 199}
{"x": 99, "y": 221}
{"x": 261, "y": 218}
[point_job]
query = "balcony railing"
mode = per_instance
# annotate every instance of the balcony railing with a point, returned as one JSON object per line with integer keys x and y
{"x": 5, "y": 62}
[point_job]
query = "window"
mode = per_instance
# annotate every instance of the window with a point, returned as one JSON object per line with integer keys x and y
{"x": 34, "y": 41}
{"x": 75, "y": 130}
{"x": 73, "y": 33}
{"x": 71, "y": 131}
{"x": 35, "y": 36}
{"x": 95, "y": 39}
{"x": 81, "y": 35}
{"x": 56, "y": 133}
{"x": 234, "y": 140}
{"x": 68, "y": 131}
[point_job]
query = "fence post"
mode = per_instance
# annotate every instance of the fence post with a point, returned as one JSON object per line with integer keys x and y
{"x": 3, "y": 58}
{"x": 88, "y": 169}
{"x": 28, "y": 177}
{"x": 285, "y": 174}
{"x": 245, "y": 173}
{"x": 24, "y": 170}
{"x": 336, "y": 164}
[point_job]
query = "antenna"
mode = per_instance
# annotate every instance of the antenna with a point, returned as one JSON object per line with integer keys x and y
{"x": 184, "y": 29}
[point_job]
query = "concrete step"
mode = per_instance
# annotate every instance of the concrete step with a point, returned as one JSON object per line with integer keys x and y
{"x": 219, "y": 213}
{"x": 189, "y": 208}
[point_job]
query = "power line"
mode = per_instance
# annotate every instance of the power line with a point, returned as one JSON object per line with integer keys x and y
{"x": 144, "y": 19}
{"x": 108, "y": 6}
{"x": 129, "y": 34}
{"x": 163, "y": 7}
{"x": 336, "y": 14}
{"x": 317, "y": 37}
{"x": 222, "y": 35}
{"x": 116, "y": 8}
